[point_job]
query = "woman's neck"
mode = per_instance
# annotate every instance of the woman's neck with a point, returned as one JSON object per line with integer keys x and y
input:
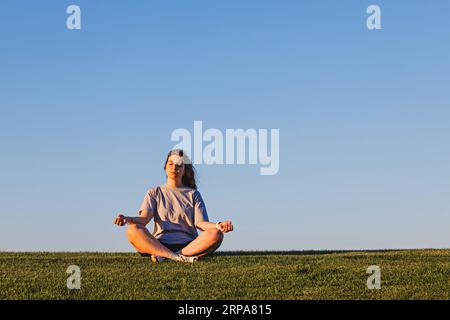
{"x": 174, "y": 184}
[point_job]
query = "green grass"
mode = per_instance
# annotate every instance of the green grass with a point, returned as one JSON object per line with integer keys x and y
{"x": 405, "y": 274}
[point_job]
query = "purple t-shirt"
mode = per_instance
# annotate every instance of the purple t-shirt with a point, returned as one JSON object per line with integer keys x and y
{"x": 175, "y": 212}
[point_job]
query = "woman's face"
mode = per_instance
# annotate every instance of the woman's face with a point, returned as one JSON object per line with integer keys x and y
{"x": 175, "y": 167}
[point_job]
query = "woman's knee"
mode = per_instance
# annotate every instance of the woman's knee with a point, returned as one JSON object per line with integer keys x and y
{"x": 132, "y": 230}
{"x": 215, "y": 235}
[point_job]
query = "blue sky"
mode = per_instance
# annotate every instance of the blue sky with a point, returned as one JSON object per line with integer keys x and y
{"x": 364, "y": 118}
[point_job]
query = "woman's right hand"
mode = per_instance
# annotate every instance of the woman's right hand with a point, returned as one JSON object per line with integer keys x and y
{"x": 121, "y": 220}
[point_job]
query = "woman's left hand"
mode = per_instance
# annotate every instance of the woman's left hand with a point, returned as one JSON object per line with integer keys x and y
{"x": 226, "y": 226}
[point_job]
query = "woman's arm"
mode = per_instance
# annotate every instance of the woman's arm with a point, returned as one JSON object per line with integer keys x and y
{"x": 225, "y": 226}
{"x": 203, "y": 225}
{"x": 201, "y": 217}
{"x": 143, "y": 219}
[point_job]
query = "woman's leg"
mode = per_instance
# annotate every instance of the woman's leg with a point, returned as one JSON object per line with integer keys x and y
{"x": 144, "y": 242}
{"x": 207, "y": 242}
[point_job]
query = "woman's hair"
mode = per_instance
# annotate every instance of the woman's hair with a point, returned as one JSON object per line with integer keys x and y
{"x": 188, "y": 178}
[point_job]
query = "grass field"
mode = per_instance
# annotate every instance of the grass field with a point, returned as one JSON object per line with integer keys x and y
{"x": 405, "y": 274}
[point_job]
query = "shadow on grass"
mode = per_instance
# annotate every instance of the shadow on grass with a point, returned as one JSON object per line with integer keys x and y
{"x": 299, "y": 252}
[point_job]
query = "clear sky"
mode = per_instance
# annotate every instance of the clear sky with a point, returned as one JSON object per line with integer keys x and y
{"x": 364, "y": 118}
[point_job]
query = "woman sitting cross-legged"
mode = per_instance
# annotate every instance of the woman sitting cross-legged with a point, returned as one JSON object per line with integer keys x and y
{"x": 178, "y": 211}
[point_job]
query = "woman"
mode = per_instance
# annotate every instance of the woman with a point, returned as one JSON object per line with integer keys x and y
{"x": 178, "y": 210}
